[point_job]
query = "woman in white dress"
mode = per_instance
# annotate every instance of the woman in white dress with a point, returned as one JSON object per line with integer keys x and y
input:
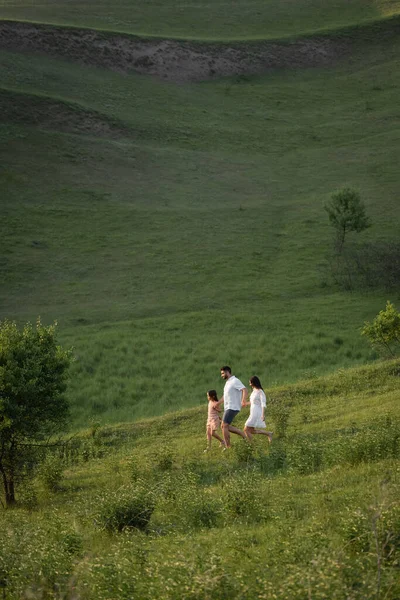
{"x": 258, "y": 402}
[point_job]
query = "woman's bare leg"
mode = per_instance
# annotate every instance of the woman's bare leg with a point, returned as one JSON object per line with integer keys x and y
{"x": 262, "y": 432}
{"x": 249, "y": 432}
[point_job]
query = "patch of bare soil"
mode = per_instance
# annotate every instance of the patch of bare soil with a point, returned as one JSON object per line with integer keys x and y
{"x": 189, "y": 61}
{"x": 53, "y": 115}
{"x": 167, "y": 59}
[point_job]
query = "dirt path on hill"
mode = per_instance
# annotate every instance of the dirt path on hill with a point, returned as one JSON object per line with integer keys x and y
{"x": 167, "y": 59}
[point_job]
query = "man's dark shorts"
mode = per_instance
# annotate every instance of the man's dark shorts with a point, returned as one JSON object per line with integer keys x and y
{"x": 229, "y": 415}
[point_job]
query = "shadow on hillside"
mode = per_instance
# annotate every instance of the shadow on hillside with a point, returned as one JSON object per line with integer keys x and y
{"x": 47, "y": 113}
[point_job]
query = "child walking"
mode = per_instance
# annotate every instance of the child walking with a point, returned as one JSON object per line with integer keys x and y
{"x": 213, "y": 419}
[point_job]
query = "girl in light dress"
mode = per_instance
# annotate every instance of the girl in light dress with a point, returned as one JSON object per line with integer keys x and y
{"x": 258, "y": 402}
{"x": 213, "y": 418}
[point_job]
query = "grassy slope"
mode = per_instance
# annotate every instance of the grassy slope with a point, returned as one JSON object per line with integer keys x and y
{"x": 195, "y": 235}
{"x": 307, "y": 526}
{"x": 212, "y": 19}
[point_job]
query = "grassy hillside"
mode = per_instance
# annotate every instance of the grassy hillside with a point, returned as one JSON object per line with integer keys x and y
{"x": 315, "y": 514}
{"x": 217, "y": 19}
{"x": 173, "y": 228}
{"x": 171, "y": 224}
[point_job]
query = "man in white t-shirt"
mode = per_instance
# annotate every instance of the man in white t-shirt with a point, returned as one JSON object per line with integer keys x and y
{"x": 235, "y": 394}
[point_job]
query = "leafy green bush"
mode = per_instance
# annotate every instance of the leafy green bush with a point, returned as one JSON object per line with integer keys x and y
{"x": 379, "y": 440}
{"x": 164, "y": 459}
{"x": 128, "y": 507}
{"x": 28, "y": 495}
{"x": 244, "y": 452}
{"x": 202, "y": 510}
{"x": 304, "y": 456}
{"x": 384, "y": 331}
{"x": 280, "y": 413}
{"x": 245, "y": 496}
{"x": 275, "y": 461}
{"x": 50, "y": 472}
{"x": 187, "y": 502}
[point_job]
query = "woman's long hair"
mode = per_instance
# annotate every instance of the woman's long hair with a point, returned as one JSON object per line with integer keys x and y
{"x": 213, "y": 395}
{"x": 256, "y": 382}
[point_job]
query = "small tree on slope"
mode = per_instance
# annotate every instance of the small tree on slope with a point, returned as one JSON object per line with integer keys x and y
{"x": 346, "y": 212}
{"x": 33, "y": 371}
{"x": 384, "y": 331}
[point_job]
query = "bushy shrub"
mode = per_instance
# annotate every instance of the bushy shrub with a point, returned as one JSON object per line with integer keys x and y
{"x": 280, "y": 413}
{"x": 384, "y": 331}
{"x": 275, "y": 461}
{"x": 244, "y": 452}
{"x": 202, "y": 510}
{"x": 128, "y": 507}
{"x": 379, "y": 440}
{"x": 164, "y": 459}
{"x": 28, "y": 495}
{"x": 50, "y": 472}
{"x": 187, "y": 503}
{"x": 245, "y": 496}
{"x": 304, "y": 456}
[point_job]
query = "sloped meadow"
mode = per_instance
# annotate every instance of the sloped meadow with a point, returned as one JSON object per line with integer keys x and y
{"x": 139, "y": 511}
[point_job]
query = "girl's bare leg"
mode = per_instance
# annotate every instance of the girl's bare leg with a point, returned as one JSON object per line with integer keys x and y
{"x": 209, "y": 434}
{"x": 218, "y": 437}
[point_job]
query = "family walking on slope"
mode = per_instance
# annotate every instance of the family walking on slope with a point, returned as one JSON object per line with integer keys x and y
{"x": 234, "y": 398}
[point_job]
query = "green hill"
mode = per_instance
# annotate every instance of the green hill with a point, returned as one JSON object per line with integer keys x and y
{"x": 163, "y": 174}
{"x": 313, "y": 514}
{"x": 174, "y": 228}
{"x": 217, "y": 19}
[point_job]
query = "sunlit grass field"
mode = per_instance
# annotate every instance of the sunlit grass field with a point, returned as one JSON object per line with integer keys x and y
{"x": 313, "y": 514}
{"x": 211, "y": 19}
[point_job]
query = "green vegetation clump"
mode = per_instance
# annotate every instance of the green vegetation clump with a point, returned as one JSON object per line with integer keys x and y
{"x": 346, "y": 213}
{"x": 33, "y": 372}
{"x": 125, "y": 508}
{"x": 384, "y": 331}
